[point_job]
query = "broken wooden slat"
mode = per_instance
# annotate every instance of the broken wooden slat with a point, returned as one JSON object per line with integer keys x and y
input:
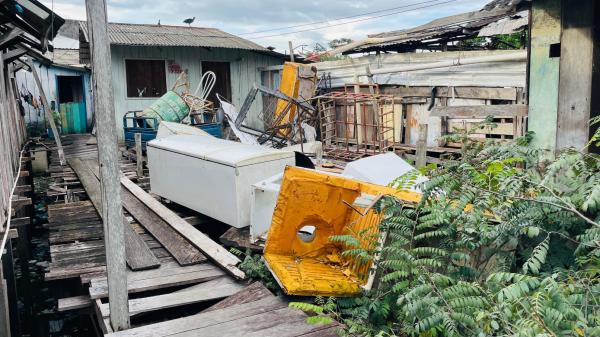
{"x": 68, "y": 272}
{"x": 239, "y": 238}
{"x": 251, "y": 293}
{"x": 211, "y": 290}
{"x": 481, "y": 111}
{"x": 266, "y": 317}
{"x": 103, "y": 321}
{"x": 73, "y": 303}
{"x": 22, "y": 189}
{"x": 20, "y": 202}
{"x": 138, "y": 255}
{"x": 159, "y": 278}
{"x": 201, "y": 241}
{"x": 184, "y": 252}
{"x": 215, "y": 317}
{"x": 18, "y": 222}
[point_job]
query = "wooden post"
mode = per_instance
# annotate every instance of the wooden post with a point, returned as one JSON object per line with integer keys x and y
{"x": 4, "y": 311}
{"x": 48, "y": 112}
{"x": 112, "y": 214}
{"x": 358, "y": 114}
{"x": 139, "y": 158}
{"x": 421, "y": 154}
{"x": 291, "y": 51}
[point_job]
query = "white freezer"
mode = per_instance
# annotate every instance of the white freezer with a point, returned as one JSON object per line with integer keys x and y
{"x": 210, "y": 175}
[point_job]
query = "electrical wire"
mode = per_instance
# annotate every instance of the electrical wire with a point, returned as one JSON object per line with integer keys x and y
{"x": 12, "y": 191}
{"x": 337, "y": 19}
{"x": 354, "y": 21}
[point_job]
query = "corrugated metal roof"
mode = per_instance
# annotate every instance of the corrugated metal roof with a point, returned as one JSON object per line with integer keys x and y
{"x": 453, "y": 27}
{"x": 507, "y": 25}
{"x": 494, "y": 4}
{"x": 176, "y": 36}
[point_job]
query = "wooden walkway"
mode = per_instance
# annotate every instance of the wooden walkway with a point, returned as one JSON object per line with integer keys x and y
{"x": 253, "y": 311}
{"x": 175, "y": 274}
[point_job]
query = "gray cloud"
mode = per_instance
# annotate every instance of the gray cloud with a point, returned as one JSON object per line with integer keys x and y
{"x": 244, "y": 16}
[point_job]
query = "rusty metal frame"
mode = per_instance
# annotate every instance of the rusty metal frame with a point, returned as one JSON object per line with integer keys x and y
{"x": 344, "y": 136}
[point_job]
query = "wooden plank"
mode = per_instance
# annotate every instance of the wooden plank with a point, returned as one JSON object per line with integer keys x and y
{"x": 139, "y": 158}
{"x": 506, "y": 94}
{"x": 251, "y": 293}
{"x": 10, "y": 35}
{"x": 211, "y": 290}
{"x": 18, "y": 222}
{"x": 103, "y": 322}
{"x": 481, "y": 111}
{"x": 211, "y": 249}
{"x": 76, "y": 246}
{"x": 184, "y": 252}
{"x": 577, "y": 69}
{"x": 99, "y": 287}
{"x": 500, "y": 129}
{"x": 22, "y": 189}
{"x": 19, "y": 202}
{"x": 74, "y": 303}
{"x": 239, "y": 238}
{"x": 66, "y": 273}
{"x": 137, "y": 254}
{"x": 421, "y": 153}
{"x": 281, "y": 322}
{"x": 190, "y": 323}
{"x": 169, "y": 274}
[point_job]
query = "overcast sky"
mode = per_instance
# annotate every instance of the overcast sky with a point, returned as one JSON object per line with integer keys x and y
{"x": 241, "y": 17}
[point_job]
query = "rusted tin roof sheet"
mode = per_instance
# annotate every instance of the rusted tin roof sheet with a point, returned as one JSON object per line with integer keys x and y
{"x": 453, "y": 28}
{"x": 174, "y": 36}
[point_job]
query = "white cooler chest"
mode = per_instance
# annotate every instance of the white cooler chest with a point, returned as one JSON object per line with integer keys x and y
{"x": 211, "y": 175}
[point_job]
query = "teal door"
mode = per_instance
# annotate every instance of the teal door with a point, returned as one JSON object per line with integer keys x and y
{"x": 71, "y": 104}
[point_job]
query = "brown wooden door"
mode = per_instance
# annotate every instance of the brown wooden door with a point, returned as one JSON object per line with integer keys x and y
{"x": 223, "y": 81}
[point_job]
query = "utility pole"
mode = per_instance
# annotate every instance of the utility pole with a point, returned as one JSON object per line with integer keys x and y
{"x": 112, "y": 213}
{"x": 291, "y": 51}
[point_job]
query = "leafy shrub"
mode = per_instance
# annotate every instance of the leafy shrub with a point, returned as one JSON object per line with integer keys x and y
{"x": 503, "y": 243}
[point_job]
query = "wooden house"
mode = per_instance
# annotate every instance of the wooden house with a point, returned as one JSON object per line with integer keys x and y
{"x": 148, "y": 59}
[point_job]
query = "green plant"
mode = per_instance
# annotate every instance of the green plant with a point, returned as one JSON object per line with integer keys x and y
{"x": 255, "y": 269}
{"x": 321, "y": 310}
{"x": 503, "y": 243}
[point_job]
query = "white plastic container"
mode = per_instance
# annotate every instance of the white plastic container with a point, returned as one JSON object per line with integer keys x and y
{"x": 381, "y": 169}
{"x": 264, "y": 199}
{"x": 211, "y": 175}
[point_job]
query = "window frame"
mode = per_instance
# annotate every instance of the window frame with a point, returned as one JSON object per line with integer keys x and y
{"x": 125, "y": 59}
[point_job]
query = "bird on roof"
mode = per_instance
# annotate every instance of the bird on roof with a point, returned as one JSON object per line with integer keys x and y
{"x": 189, "y": 21}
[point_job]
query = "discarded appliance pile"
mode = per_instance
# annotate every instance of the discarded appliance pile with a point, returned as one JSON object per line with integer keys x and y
{"x": 295, "y": 209}
{"x": 261, "y": 182}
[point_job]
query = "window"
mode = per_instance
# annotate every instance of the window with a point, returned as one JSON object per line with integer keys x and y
{"x": 145, "y": 78}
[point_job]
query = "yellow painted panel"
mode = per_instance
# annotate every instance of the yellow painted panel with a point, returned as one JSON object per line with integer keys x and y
{"x": 311, "y": 198}
{"x": 293, "y": 81}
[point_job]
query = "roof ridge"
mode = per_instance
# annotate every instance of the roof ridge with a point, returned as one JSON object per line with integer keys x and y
{"x": 161, "y": 25}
